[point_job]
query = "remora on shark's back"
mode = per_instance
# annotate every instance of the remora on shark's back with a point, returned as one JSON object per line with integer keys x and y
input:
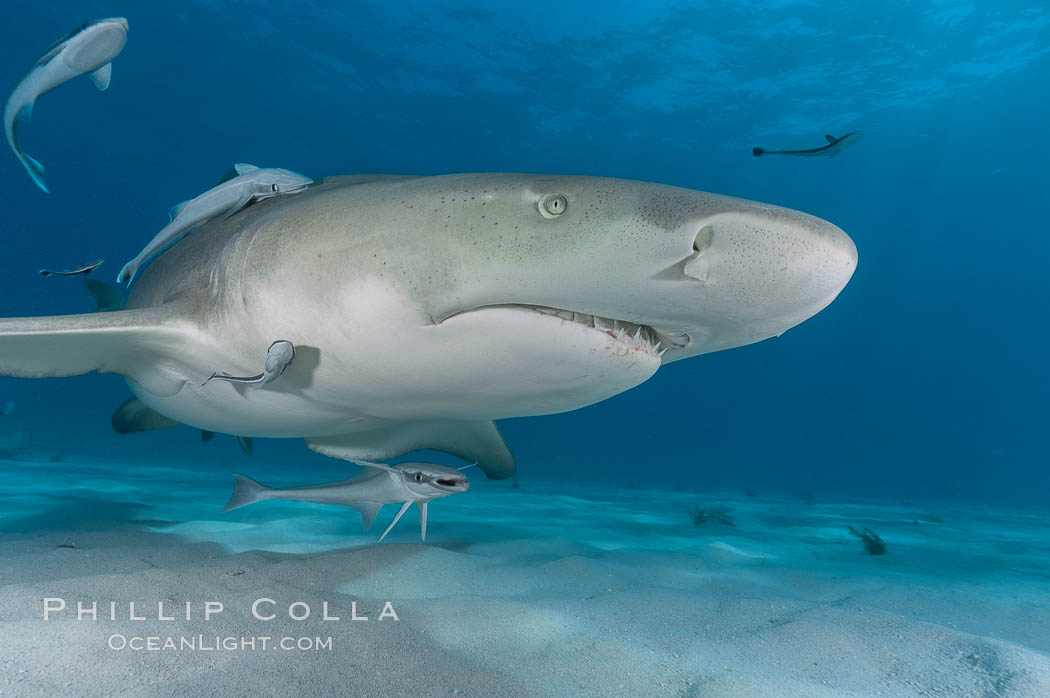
{"x": 87, "y": 49}
{"x": 405, "y": 483}
{"x": 834, "y": 147}
{"x": 423, "y": 308}
{"x": 221, "y": 201}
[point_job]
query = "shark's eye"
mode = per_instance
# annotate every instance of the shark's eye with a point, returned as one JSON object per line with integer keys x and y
{"x": 553, "y": 205}
{"x": 273, "y": 187}
{"x": 419, "y": 477}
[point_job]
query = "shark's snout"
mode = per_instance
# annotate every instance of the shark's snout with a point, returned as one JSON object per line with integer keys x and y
{"x": 754, "y": 272}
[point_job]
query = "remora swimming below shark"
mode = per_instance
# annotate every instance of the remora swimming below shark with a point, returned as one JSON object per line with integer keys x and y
{"x": 423, "y": 308}
{"x": 368, "y": 491}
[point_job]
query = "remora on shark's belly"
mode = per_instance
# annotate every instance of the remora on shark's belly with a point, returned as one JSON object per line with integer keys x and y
{"x": 423, "y": 308}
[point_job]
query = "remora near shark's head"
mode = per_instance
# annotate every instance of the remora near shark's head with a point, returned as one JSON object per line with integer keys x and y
{"x": 423, "y": 307}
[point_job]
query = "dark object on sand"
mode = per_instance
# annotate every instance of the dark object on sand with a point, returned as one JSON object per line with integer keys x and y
{"x": 700, "y": 516}
{"x": 86, "y": 269}
{"x": 66, "y": 545}
{"x": 873, "y": 545}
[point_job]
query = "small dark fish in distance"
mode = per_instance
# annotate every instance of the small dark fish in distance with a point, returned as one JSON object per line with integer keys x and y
{"x": 833, "y": 148}
{"x": 86, "y": 269}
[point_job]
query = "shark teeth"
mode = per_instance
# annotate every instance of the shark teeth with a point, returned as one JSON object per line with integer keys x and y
{"x": 637, "y": 337}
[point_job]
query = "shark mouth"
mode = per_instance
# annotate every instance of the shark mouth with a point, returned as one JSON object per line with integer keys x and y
{"x": 646, "y": 338}
{"x": 640, "y": 337}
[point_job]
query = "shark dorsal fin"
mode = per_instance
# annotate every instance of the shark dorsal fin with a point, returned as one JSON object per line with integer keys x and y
{"x": 174, "y": 210}
{"x": 236, "y": 171}
{"x": 831, "y": 139}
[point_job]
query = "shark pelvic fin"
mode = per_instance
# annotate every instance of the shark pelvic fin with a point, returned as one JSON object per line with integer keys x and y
{"x": 246, "y": 444}
{"x": 133, "y": 417}
{"x": 477, "y": 441}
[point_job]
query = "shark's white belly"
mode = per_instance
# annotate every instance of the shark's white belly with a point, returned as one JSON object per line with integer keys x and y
{"x": 380, "y": 363}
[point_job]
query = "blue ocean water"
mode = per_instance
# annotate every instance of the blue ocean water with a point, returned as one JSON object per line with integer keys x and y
{"x": 925, "y": 379}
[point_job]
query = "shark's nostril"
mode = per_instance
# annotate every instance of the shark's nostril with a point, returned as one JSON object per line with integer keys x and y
{"x": 703, "y": 239}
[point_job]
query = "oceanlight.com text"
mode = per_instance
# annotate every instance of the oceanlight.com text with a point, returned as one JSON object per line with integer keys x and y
{"x": 216, "y": 643}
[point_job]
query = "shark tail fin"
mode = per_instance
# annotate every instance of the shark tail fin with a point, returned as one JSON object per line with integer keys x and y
{"x": 36, "y": 171}
{"x": 757, "y": 152}
{"x": 246, "y": 491}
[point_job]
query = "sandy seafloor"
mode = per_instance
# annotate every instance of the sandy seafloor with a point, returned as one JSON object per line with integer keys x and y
{"x": 550, "y": 589}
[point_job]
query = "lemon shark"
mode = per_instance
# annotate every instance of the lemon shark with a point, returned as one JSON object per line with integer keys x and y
{"x": 423, "y": 308}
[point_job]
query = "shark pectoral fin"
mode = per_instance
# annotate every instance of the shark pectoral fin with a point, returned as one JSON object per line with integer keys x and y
{"x": 245, "y": 442}
{"x": 831, "y": 139}
{"x": 400, "y": 513}
{"x": 244, "y": 168}
{"x": 207, "y": 435}
{"x": 102, "y": 76}
{"x": 476, "y": 441}
{"x": 368, "y": 511}
{"x": 422, "y": 520}
{"x": 147, "y": 345}
{"x": 133, "y": 417}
